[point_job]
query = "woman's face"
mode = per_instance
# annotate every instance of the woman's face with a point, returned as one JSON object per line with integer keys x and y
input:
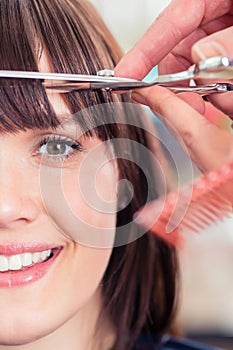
{"x": 59, "y": 283}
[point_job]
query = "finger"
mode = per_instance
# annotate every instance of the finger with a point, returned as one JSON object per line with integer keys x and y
{"x": 194, "y": 100}
{"x": 217, "y": 24}
{"x": 223, "y": 102}
{"x": 175, "y": 23}
{"x": 207, "y": 145}
{"x": 218, "y": 44}
{"x": 180, "y": 58}
{"x": 162, "y": 36}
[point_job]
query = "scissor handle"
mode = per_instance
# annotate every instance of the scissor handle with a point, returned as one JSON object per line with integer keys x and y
{"x": 214, "y": 68}
{"x": 203, "y": 90}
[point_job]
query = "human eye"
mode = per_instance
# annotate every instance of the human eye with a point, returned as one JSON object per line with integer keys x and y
{"x": 57, "y": 148}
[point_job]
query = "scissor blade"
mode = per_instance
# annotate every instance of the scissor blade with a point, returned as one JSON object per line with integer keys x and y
{"x": 57, "y": 78}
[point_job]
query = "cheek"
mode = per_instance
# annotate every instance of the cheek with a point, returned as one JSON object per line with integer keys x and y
{"x": 81, "y": 199}
{"x": 91, "y": 190}
{"x": 82, "y": 268}
{"x": 106, "y": 184}
{"x": 90, "y": 197}
{"x": 86, "y": 269}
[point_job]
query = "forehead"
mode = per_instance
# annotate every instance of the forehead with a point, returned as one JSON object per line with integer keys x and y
{"x": 59, "y": 106}
{"x": 56, "y": 99}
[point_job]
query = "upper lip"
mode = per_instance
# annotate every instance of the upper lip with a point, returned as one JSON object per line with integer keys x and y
{"x": 20, "y": 248}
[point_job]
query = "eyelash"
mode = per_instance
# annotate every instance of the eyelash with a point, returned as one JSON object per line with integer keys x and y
{"x": 76, "y": 147}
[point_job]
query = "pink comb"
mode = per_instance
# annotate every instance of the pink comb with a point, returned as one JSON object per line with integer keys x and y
{"x": 195, "y": 207}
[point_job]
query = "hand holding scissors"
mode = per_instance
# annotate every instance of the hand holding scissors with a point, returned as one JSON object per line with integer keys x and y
{"x": 175, "y": 42}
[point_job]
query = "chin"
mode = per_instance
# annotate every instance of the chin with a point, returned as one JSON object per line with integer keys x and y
{"x": 22, "y": 333}
{"x": 20, "y": 338}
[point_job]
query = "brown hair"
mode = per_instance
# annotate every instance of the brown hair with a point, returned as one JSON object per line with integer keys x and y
{"x": 140, "y": 284}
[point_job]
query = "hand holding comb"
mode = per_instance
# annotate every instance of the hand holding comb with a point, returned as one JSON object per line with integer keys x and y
{"x": 211, "y": 200}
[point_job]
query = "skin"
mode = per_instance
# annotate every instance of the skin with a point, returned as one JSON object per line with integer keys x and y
{"x": 205, "y": 22}
{"x": 61, "y": 309}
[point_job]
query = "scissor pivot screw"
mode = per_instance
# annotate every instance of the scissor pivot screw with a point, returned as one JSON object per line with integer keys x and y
{"x": 105, "y": 73}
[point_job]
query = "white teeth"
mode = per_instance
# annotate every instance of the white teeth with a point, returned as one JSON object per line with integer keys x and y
{"x": 16, "y": 262}
{"x": 35, "y": 257}
{"x": 27, "y": 259}
{"x": 3, "y": 263}
{"x": 44, "y": 255}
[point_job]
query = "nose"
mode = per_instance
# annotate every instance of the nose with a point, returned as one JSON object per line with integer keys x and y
{"x": 18, "y": 204}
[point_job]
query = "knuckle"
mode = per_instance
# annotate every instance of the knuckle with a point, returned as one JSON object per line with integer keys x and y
{"x": 189, "y": 139}
{"x": 160, "y": 100}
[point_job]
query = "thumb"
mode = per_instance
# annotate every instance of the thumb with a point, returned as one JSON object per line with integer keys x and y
{"x": 217, "y": 44}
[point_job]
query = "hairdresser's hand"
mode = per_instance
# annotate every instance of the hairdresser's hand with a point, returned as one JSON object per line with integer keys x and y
{"x": 169, "y": 39}
{"x": 185, "y": 26}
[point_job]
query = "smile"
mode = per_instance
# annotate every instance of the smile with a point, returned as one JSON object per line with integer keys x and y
{"x": 19, "y": 261}
{"x": 27, "y": 266}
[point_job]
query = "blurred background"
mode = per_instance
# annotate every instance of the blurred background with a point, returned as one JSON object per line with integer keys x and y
{"x": 128, "y": 19}
{"x": 206, "y": 309}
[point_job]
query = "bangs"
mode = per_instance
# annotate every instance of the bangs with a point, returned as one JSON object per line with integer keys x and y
{"x": 74, "y": 40}
{"x": 24, "y": 105}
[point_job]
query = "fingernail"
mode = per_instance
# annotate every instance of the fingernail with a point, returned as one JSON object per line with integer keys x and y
{"x": 206, "y": 49}
{"x": 137, "y": 97}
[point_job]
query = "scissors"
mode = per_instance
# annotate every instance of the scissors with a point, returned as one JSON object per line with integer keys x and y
{"x": 219, "y": 67}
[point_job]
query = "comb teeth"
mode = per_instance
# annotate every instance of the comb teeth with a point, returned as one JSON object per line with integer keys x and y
{"x": 211, "y": 201}
{"x": 216, "y": 198}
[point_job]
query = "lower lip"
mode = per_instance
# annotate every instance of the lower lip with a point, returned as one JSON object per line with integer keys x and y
{"x": 28, "y": 275}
